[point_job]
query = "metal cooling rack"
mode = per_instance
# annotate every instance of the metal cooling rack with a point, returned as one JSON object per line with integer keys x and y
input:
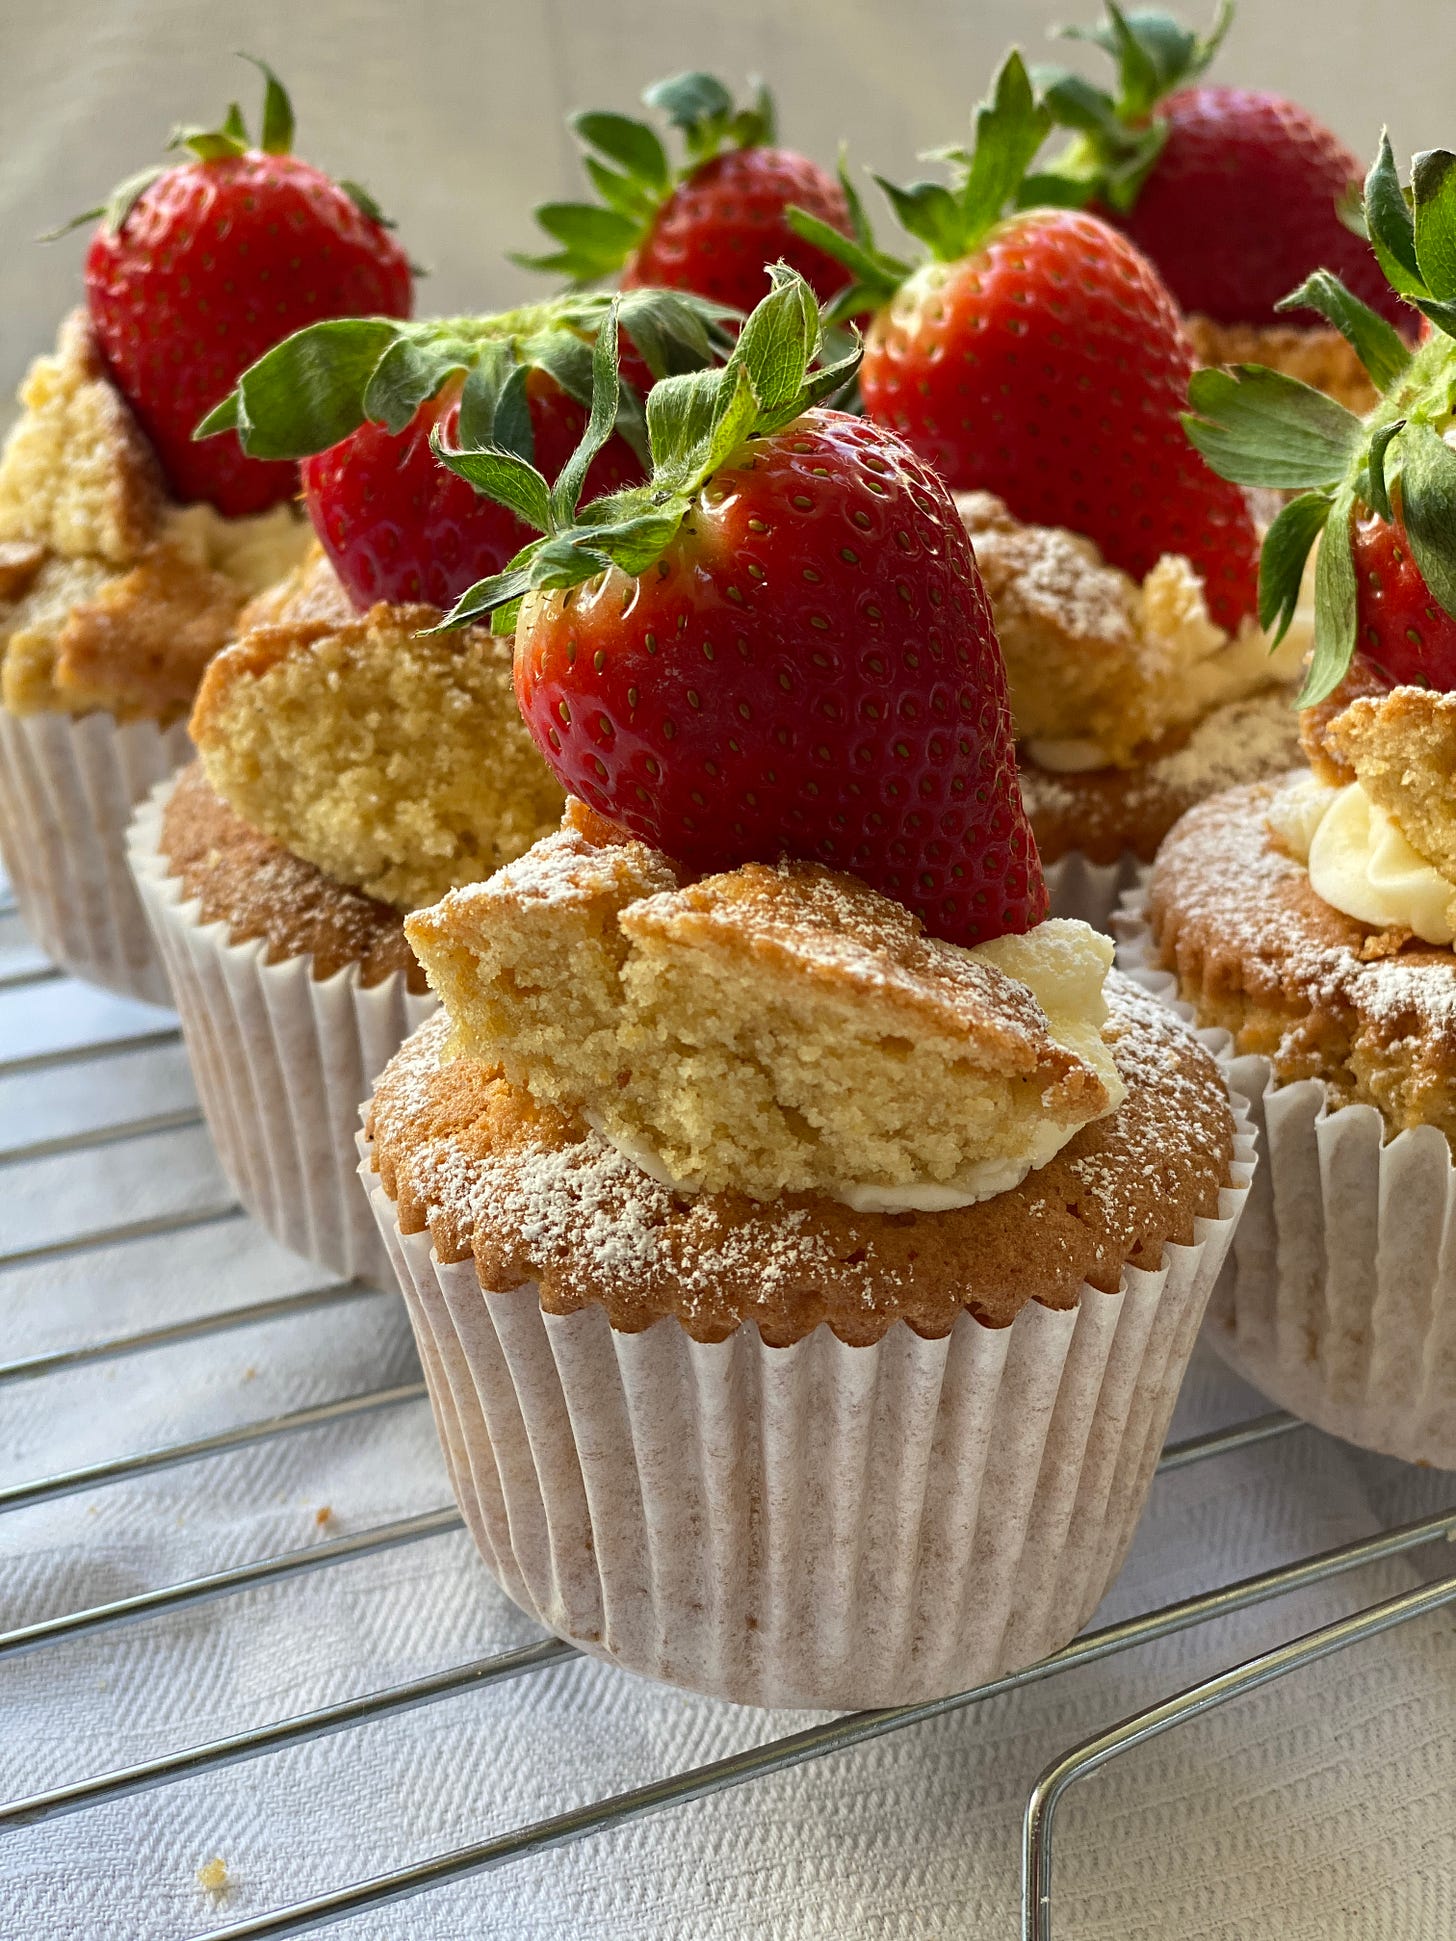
{"x": 695, "y": 1783}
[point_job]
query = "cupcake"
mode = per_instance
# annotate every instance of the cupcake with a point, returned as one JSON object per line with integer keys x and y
{"x": 1314, "y": 920}
{"x": 113, "y": 597}
{"x": 350, "y": 767}
{"x": 688, "y": 1181}
{"x": 1039, "y": 363}
{"x": 127, "y": 553}
{"x": 1130, "y": 703}
{"x": 354, "y": 763}
{"x": 1236, "y": 194}
{"x": 804, "y": 1236}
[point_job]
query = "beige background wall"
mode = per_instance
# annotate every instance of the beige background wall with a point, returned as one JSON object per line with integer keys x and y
{"x": 451, "y": 110}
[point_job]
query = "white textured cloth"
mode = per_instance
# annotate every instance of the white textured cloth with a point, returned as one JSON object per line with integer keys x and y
{"x": 1318, "y": 1810}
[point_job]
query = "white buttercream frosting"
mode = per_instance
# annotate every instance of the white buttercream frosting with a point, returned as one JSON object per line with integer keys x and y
{"x": 1360, "y": 861}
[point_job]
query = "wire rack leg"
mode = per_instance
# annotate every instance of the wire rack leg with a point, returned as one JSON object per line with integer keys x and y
{"x": 1036, "y": 1851}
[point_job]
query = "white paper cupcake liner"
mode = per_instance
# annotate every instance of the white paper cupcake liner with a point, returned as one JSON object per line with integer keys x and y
{"x": 815, "y": 1525}
{"x": 1338, "y": 1301}
{"x": 281, "y": 1061}
{"x": 68, "y": 784}
{"x": 1092, "y": 891}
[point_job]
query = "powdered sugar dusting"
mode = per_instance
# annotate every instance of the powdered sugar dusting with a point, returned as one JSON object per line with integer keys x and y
{"x": 1240, "y": 742}
{"x": 1222, "y": 878}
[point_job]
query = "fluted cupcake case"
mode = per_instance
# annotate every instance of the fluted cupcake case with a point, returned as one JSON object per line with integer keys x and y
{"x": 281, "y": 1060}
{"x": 1338, "y": 1301}
{"x": 68, "y": 784}
{"x": 819, "y": 1524}
{"x": 1090, "y": 891}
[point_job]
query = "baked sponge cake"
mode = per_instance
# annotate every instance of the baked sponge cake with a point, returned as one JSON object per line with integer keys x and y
{"x": 350, "y": 767}
{"x": 113, "y": 597}
{"x": 759, "y": 1243}
{"x": 390, "y": 757}
{"x": 773, "y": 1029}
{"x": 1313, "y": 919}
{"x": 1130, "y": 703}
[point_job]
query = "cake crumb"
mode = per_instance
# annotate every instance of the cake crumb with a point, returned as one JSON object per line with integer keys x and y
{"x": 213, "y": 1877}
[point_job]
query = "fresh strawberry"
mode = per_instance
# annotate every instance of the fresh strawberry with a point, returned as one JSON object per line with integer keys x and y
{"x": 1379, "y": 492}
{"x": 361, "y": 400}
{"x": 1400, "y": 628}
{"x": 1234, "y": 194}
{"x": 711, "y": 226}
{"x": 199, "y": 268}
{"x": 780, "y": 644}
{"x": 1038, "y": 356}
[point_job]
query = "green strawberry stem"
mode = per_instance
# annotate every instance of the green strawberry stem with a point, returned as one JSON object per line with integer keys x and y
{"x": 224, "y": 143}
{"x": 323, "y": 382}
{"x": 694, "y": 422}
{"x": 632, "y": 174}
{"x": 1117, "y": 138}
{"x": 990, "y": 179}
{"x": 1261, "y": 427}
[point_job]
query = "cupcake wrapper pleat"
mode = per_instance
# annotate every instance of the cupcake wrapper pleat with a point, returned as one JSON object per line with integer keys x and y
{"x": 1339, "y": 1298}
{"x": 816, "y": 1525}
{"x": 68, "y": 785}
{"x": 281, "y": 1060}
{"x": 1091, "y": 891}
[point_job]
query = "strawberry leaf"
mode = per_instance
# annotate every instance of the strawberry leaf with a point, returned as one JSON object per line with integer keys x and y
{"x": 702, "y": 108}
{"x": 494, "y": 408}
{"x": 367, "y": 206}
{"x": 876, "y": 276}
{"x": 1390, "y": 225}
{"x": 695, "y": 422}
{"x": 620, "y": 192}
{"x": 277, "y": 135}
{"x": 1378, "y": 345}
{"x": 502, "y": 476}
{"x": 308, "y": 392}
{"x": 1334, "y": 604}
{"x": 1117, "y": 140}
{"x": 605, "y": 393}
{"x": 1010, "y": 126}
{"x": 1442, "y": 315}
{"x": 631, "y": 145}
{"x": 1433, "y": 191}
{"x": 1375, "y": 488}
{"x": 1154, "y": 53}
{"x": 1261, "y": 427}
{"x": 1428, "y": 506}
{"x": 675, "y": 332}
{"x": 209, "y": 144}
{"x": 409, "y": 372}
{"x": 1282, "y": 562}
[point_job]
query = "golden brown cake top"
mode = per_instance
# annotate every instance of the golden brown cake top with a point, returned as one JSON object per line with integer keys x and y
{"x": 1321, "y": 994}
{"x": 252, "y": 884}
{"x": 535, "y": 1196}
{"x": 111, "y": 596}
{"x": 1101, "y": 668}
{"x": 392, "y": 758}
{"x": 772, "y": 1029}
{"x": 1319, "y": 356}
{"x": 1109, "y": 812}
